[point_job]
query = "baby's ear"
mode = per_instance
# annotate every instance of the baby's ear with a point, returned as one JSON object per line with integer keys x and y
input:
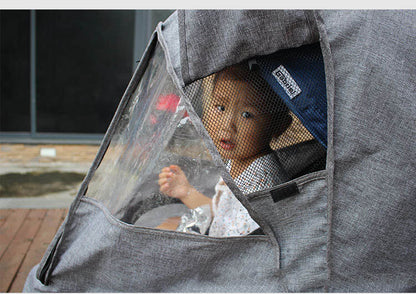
{"x": 283, "y": 124}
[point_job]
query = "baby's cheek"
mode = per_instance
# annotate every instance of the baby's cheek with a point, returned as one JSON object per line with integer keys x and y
{"x": 212, "y": 133}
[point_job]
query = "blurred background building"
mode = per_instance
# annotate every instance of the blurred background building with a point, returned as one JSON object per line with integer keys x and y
{"x": 63, "y": 72}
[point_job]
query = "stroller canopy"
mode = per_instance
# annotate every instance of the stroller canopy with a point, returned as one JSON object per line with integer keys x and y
{"x": 296, "y": 131}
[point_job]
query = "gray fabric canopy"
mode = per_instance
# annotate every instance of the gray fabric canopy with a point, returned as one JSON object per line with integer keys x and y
{"x": 350, "y": 227}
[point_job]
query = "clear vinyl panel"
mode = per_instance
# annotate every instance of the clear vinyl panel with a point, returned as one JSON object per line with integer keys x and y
{"x": 267, "y": 116}
{"x": 154, "y": 133}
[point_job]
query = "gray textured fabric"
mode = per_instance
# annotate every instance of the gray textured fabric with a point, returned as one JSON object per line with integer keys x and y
{"x": 300, "y": 226}
{"x": 214, "y": 39}
{"x": 106, "y": 255}
{"x": 351, "y": 227}
{"x": 374, "y": 194}
{"x": 169, "y": 29}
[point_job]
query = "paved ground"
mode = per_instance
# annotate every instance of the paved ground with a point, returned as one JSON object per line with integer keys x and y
{"x": 28, "y": 224}
{"x": 23, "y": 158}
{"x": 24, "y": 236}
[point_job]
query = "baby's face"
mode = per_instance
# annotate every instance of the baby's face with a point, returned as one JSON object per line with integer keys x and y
{"x": 237, "y": 121}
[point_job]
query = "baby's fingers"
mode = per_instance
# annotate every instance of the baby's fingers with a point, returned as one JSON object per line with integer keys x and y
{"x": 176, "y": 169}
{"x": 164, "y": 189}
{"x": 165, "y": 175}
{"x": 163, "y": 181}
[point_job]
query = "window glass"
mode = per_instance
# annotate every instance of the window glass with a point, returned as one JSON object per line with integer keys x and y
{"x": 83, "y": 66}
{"x": 15, "y": 71}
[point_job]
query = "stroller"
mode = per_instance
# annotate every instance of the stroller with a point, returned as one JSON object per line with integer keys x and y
{"x": 331, "y": 197}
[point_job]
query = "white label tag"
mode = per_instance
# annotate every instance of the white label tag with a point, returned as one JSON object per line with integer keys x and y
{"x": 286, "y": 81}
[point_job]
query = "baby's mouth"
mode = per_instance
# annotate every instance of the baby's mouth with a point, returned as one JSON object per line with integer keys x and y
{"x": 226, "y": 144}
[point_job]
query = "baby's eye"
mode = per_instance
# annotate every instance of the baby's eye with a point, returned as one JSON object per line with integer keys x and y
{"x": 246, "y": 114}
{"x": 220, "y": 108}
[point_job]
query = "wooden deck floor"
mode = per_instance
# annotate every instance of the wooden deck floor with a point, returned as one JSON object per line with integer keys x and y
{"x": 24, "y": 236}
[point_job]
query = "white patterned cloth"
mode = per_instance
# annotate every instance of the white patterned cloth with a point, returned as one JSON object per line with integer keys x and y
{"x": 231, "y": 218}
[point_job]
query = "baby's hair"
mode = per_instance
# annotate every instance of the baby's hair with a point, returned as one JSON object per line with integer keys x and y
{"x": 275, "y": 106}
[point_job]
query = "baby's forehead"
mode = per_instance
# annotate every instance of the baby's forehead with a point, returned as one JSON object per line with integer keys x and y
{"x": 239, "y": 91}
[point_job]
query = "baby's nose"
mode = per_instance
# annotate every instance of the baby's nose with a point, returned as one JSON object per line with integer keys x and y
{"x": 229, "y": 122}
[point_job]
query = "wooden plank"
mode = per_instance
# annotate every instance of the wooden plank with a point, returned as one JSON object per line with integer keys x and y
{"x": 4, "y": 214}
{"x": 9, "y": 229}
{"x": 16, "y": 251}
{"x": 47, "y": 231}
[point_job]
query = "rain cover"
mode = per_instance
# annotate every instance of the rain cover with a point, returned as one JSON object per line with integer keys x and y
{"x": 235, "y": 116}
{"x": 184, "y": 185}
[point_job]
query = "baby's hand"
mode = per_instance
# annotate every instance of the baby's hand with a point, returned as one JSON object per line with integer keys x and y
{"x": 173, "y": 182}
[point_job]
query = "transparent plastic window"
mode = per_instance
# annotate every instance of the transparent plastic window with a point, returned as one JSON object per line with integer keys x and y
{"x": 154, "y": 132}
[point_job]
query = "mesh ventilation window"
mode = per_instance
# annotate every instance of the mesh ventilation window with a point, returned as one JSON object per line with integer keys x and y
{"x": 266, "y": 117}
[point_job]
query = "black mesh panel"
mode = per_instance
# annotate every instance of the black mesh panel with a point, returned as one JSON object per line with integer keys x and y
{"x": 262, "y": 142}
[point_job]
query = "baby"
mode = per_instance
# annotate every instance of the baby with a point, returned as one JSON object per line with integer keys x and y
{"x": 242, "y": 116}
